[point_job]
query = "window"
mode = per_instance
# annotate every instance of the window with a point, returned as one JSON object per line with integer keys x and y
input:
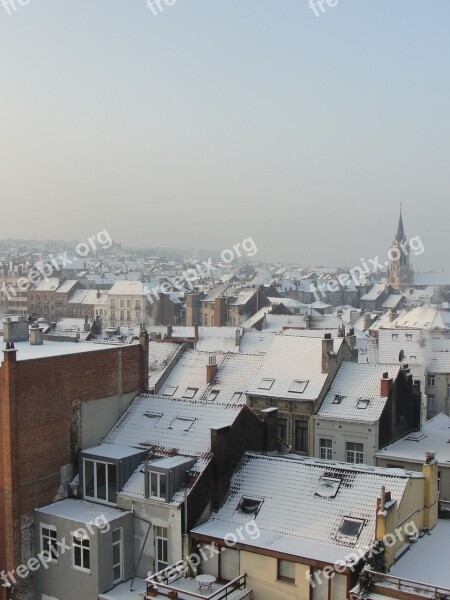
{"x": 350, "y": 529}
{"x": 213, "y": 395}
{"x": 190, "y": 392}
{"x": 81, "y": 552}
{"x": 138, "y": 316}
{"x": 157, "y": 485}
{"x": 325, "y": 449}
{"x": 354, "y": 452}
{"x": 409, "y": 336}
{"x": 265, "y": 383}
{"x": 122, "y": 315}
{"x": 298, "y": 386}
{"x": 128, "y": 303}
{"x": 154, "y": 417}
{"x": 338, "y": 399}
{"x": 212, "y": 320}
{"x": 301, "y": 436}
{"x": 395, "y": 336}
{"x": 431, "y": 380}
{"x": 282, "y": 429}
{"x": 48, "y": 541}
{"x": 128, "y": 315}
{"x": 431, "y": 403}
{"x": 162, "y": 555}
{"x": 328, "y": 487}
{"x": 138, "y": 305}
{"x": 100, "y": 480}
{"x": 413, "y": 357}
{"x": 236, "y": 397}
{"x": 362, "y": 403}
{"x": 122, "y": 304}
{"x": 206, "y": 319}
{"x": 170, "y": 390}
{"x": 117, "y": 555}
{"x": 249, "y": 506}
{"x": 181, "y": 423}
{"x": 286, "y": 571}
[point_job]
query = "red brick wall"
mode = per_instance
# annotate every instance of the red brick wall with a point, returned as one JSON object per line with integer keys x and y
{"x": 39, "y": 399}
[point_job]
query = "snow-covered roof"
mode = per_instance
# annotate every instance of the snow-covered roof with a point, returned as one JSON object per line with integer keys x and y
{"x": 422, "y": 317}
{"x": 374, "y": 292}
{"x": 427, "y": 561}
{"x": 434, "y": 436}
{"x": 25, "y": 351}
{"x": 293, "y": 516}
{"x": 66, "y": 286}
{"x": 160, "y": 356}
{"x": 127, "y": 288}
{"x": 355, "y": 392}
{"x": 292, "y": 368}
{"x": 232, "y": 379}
{"x": 80, "y": 511}
{"x": 217, "y": 339}
{"x": 256, "y": 342}
{"x": 168, "y": 426}
{"x": 189, "y": 373}
{"x": 50, "y": 284}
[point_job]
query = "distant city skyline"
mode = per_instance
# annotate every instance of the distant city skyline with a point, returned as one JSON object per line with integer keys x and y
{"x": 203, "y": 124}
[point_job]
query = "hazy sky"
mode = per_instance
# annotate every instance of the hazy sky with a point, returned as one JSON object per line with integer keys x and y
{"x": 218, "y": 120}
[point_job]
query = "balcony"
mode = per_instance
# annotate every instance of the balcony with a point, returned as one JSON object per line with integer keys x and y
{"x": 390, "y": 586}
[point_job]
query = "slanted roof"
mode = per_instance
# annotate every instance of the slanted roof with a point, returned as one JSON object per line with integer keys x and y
{"x": 355, "y": 392}
{"x": 290, "y": 359}
{"x": 233, "y": 378}
{"x": 160, "y": 356}
{"x": 292, "y": 517}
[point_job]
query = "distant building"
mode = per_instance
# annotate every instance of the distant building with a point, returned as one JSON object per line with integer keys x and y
{"x": 400, "y": 273}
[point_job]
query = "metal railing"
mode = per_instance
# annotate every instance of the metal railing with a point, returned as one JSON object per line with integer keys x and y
{"x": 239, "y": 583}
{"x": 413, "y": 587}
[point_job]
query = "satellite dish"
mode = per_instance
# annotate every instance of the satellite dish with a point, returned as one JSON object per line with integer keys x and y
{"x": 401, "y": 356}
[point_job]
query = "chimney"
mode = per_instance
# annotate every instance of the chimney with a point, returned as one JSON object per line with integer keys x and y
{"x": 431, "y": 496}
{"x": 307, "y": 321}
{"x": 386, "y": 385}
{"x": 367, "y": 321}
{"x": 87, "y": 327}
{"x": 36, "y": 336}
{"x": 327, "y": 349}
{"x": 98, "y": 294}
{"x": 211, "y": 369}
{"x": 237, "y": 340}
{"x": 196, "y": 332}
{"x": 169, "y": 331}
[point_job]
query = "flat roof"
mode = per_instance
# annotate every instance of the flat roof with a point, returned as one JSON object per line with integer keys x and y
{"x": 81, "y": 511}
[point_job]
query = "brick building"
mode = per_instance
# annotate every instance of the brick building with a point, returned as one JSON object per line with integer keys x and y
{"x": 54, "y": 400}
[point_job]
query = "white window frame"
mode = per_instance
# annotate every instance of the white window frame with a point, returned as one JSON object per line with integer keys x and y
{"x": 431, "y": 381}
{"x": 119, "y": 543}
{"x": 164, "y": 540}
{"x": 159, "y": 475}
{"x": 45, "y": 548}
{"x": 356, "y": 453}
{"x": 77, "y": 542}
{"x": 326, "y": 451}
{"x": 95, "y": 462}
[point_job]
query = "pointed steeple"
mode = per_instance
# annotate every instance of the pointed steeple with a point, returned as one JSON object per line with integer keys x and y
{"x": 400, "y": 231}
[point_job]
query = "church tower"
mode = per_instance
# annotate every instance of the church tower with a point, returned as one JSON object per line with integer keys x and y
{"x": 400, "y": 273}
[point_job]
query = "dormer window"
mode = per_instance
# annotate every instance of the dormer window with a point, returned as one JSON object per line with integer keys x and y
{"x": 100, "y": 481}
{"x": 157, "y": 485}
{"x": 249, "y": 506}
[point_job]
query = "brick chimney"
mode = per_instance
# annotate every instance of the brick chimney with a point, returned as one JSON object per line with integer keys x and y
{"x": 270, "y": 418}
{"x": 196, "y": 332}
{"x": 386, "y": 385}
{"x": 211, "y": 369}
{"x": 169, "y": 331}
{"x": 430, "y": 492}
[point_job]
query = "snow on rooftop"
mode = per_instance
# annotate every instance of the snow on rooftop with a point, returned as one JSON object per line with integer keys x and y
{"x": 50, "y": 348}
{"x": 233, "y": 378}
{"x": 434, "y": 436}
{"x": 290, "y": 359}
{"x": 256, "y": 342}
{"x": 427, "y": 560}
{"x": 357, "y": 387}
{"x": 292, "y": 517}
{"x": 160, "y": 355}
{"x": 150, "y": 423}
{"x": 81, "y": 511}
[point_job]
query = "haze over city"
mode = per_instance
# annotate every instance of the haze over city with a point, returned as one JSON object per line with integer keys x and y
{"x": 204, "y": 123}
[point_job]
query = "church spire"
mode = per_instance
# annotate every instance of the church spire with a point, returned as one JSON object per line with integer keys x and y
{"x": 400, "y": 231}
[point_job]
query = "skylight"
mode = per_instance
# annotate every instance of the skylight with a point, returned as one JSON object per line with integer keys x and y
{"x": 249, "y": 506}
{"x": 181, "y": 424}
{"x": 350, "y": 529}
{"x": 265, "y": 383}
{"x": 237, "y": 396}
{"x": 213, "y": 395}
{"x": 190, "y": 392}
{"x": 363, "y": 403}
{"x": 170, "y": 390}
{"x": 328, "y": 487}
{"x": 154, "y": 418}
{"x": 338, "y": 399}
{"x": 298, "y": 386}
